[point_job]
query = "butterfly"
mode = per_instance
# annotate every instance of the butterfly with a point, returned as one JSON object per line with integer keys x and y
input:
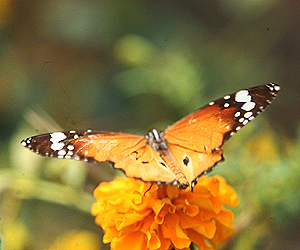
{"x": 178, "y": 156}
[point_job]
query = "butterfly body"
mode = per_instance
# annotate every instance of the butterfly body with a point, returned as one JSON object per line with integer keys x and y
{"x": 179, "y": 155}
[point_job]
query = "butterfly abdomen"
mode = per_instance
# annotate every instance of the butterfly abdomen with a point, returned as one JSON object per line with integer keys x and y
{"x": 173, "y": 165}
{"x": 157, "y": 141}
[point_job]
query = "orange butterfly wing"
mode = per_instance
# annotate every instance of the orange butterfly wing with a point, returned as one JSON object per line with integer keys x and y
{"x": 195, "y": 140}
{"x": 127, "y": 152}
{"x": 193, "y": 163}
{"x": 203, "y": 130}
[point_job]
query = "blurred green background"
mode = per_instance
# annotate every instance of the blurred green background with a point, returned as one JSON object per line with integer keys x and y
{"x": 130, "y": 66}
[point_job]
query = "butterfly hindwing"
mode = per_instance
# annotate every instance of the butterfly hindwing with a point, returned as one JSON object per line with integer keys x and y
{"x": 145, "y": 164}
{"x": 194, "y": 164}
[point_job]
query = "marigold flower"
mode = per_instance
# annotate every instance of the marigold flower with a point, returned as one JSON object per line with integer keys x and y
{"x": 136, "y": 215}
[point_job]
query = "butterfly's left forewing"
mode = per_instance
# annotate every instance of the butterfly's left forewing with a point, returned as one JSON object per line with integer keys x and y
{"x": 85, "y": 145}
{"x": 127, "y": 152}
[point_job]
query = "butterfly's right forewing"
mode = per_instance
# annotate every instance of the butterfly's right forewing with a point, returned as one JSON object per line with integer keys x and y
{"x": 209, "y": 127}
{"x": 195, "y": 140}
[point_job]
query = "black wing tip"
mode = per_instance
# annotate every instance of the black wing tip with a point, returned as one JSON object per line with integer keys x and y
{"x": 273, "y": 87}
{"x": 57, "y": 145}
{"x": 26, "y": 142}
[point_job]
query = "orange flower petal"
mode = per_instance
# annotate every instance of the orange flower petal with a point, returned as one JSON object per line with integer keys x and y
{"x": 172, "y": 230}
{"x": 136, "y": 215}
{"x": 133, "y": 241}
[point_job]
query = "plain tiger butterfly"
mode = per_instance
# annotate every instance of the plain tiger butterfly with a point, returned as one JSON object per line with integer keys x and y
{"x": 178, "y": 156}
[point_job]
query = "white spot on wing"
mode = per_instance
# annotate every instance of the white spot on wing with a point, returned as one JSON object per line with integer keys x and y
{"x": 57, "y": 137}
{"x": 248, "y": 114}
{"x": 242, "y": 96}
{"x": 61, "y": 152}
{"x": 248, "y": 106}
{"x": 237, "y": 114}
{"x": 70, "y": 147}
{"x": 57, "y": 146}
{"x": 277, "y": 88}
{"x": 70, "y": 153}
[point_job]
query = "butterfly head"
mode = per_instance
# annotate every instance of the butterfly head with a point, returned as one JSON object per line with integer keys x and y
{"x": 156, "y": 139}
